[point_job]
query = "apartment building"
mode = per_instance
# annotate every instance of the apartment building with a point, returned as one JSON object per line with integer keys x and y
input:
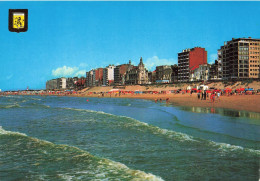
{"x": 240, "y": 58}
{"x": 108, "y": 75}
{"x": 189, "y": 60}
{"x": 90, "y": 78}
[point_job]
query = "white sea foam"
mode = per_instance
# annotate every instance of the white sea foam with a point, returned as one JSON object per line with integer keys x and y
{"x": 4, "y": 132}
{"x": 36, "y": 99}
{"x": 9, "y": 106}
{"x": 144, "y": 126}
{"x": 227, "y": 148}
{"x": 221, "y": 147}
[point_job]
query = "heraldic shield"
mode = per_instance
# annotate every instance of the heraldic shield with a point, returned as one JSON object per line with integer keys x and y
{"x": 18, "y": 20}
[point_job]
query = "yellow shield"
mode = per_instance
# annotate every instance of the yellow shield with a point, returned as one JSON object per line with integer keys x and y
{"x": 18, "y": 20}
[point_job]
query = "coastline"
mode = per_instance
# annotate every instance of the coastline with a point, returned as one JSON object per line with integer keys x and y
{"x": 239, "y": 101}
{"x": 249, "y": 103}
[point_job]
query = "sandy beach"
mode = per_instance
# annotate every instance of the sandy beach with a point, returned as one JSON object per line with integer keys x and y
{"x": 237, "y": 102}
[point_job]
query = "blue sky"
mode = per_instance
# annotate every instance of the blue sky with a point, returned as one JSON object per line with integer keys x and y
{"x": 69, "y": 38}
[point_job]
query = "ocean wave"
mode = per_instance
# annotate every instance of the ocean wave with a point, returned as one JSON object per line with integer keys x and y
{"x": 71, "y": 161}
{"x": 225, "y": 148}
{"x": 211, "y": 132}
{"x": 37, "y": 99}
{"x": 222, "y": 148}
{"x": 28, "y": 105}
{"x": 141, "y": 126}
{"x": 4, "y": 132}
{"x": 9, "y": 106}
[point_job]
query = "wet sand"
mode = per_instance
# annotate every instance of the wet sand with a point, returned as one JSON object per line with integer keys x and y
{"x": 237, "y": 102}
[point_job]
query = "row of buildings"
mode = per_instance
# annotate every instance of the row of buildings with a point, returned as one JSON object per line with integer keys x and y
{"x": 237, "y": 59}
{"x": 125, "y": 74}
{"x": 63, "y": 83}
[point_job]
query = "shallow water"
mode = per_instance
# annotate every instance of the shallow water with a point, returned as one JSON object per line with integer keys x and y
{"x": 63, "y": 138}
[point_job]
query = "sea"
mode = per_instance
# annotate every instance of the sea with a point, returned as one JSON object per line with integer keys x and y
{"x": 79, "y": 138}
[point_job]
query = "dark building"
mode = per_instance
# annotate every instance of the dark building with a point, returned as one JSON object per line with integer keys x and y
{"x": 174, "y": 76}
{"x": 152, "y": 77}
{"x": 163, "y": 74}
{"x": 90, "y": 78}
{"x": 81, "y": 83}
{"x": 71, "y": 83}
{"x": 214, "y": 71}
{"x": 120, "y": 73}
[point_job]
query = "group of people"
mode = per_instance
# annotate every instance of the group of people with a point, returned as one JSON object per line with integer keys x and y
{"x": 204, "y": 95}
{"x": 167, "y": 100}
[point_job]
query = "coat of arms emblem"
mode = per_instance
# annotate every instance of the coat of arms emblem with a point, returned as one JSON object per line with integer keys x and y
{"x": 18, "y": 20}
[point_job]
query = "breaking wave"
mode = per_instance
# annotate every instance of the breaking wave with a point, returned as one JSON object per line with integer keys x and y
{"x": 9, "y": 106}
{"x": 74, "y": 162}
{"x": 131, "y": 123}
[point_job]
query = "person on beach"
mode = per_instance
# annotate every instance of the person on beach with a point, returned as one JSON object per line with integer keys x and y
{"x": 212, "y": 97}
{"x": 198, "y": 96}
{"x": 218, "y": 96}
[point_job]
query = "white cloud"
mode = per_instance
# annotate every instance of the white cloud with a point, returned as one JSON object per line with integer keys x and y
{"x": 68, "y": 72}
{"x": 154, "y": 61}
{"x": 80, "y": 73}
{"x": 213, "y": 57}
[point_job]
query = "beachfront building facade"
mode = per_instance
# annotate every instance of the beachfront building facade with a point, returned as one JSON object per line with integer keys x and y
{"x": 189, "y": 60}
{"x": 142, "y": 74}
{"x": 108, "y": 75}
{"x": 90, "y": 78}
{"x": 137, "y": 74}
{"x": 151, "y": 77}
{"x": 80, "y": 83}
{"x": 240, "y": 58}
{"x": 201, "y": 73}
{"x": 71, "y": 83}
{"x": 61, "y": 83}
{"x": 215, "y": 71}
{"x": 98, "y": 76}
{"x": 51, "y": 84}
{"x": 120, "y": 73}
{"x": 174, "y": 73}
{"x": 163, "y": 74}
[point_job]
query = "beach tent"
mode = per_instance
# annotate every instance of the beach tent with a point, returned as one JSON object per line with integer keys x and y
{"x": 240, "y": 90}
{"x": 227, "y": 90}
{"x": 138, "y": 92}
{"x": 114, "y": 90}
{"x": 249, "y": 89}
